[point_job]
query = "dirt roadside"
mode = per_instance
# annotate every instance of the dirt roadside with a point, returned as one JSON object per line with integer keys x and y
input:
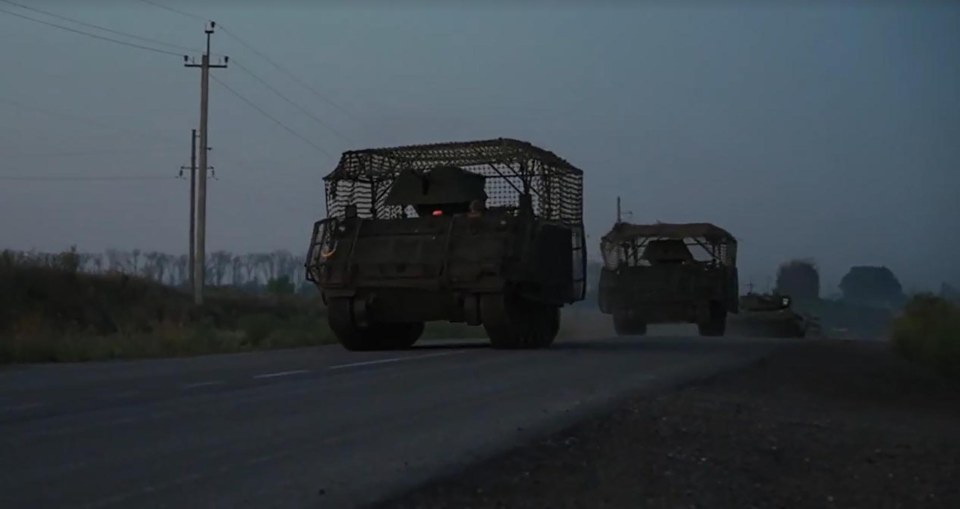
{"x": 819, "y": 424}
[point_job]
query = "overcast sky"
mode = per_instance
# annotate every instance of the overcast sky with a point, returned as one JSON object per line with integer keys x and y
{"x": 808, "y": 131}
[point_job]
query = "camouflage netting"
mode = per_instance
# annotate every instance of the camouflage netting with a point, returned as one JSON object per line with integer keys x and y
{"x": 364, "y": 177}
{"x": 628, "y": 244}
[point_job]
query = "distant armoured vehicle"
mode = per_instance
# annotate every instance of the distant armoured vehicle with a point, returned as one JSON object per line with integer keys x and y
{"x": 650, "y": 275}
{"x": 771, "y": 315}
{"x": 764, "y": 302}
{"x": 483, "y": 232}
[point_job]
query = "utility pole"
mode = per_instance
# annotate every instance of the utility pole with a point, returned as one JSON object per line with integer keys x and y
{"x": 618, "y": 209}
{"x": 199, "y": 261}
{"x": 193, "y": 204}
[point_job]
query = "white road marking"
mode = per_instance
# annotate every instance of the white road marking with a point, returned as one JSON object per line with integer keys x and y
{"x": 392, "y": 359}
{"x": 282, "y": 373}
{"x": 202, "y": 384}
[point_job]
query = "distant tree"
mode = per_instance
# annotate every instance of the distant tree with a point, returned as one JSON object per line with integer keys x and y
{"x": 116, "y": 260}
{"x": 236, "y": 271}
{"x": 68, "y": 261}
{"x": 250, "y": 272}
{"x": 153, "y": 266}
{"x": 249, "y": 264}
{"x": 97, "y": 261}
{"x": 281, "y": 286}
{"x": 220, "y": 262}
{"x": 181, "y": 267}
{"x": 87, "y": 262}
{"x": 134, "y": 258}
{"x": 876, "y": 286}
{"x": 800, "y": 279}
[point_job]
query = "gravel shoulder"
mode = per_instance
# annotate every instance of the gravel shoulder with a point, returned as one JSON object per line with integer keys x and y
{"x": 817, "y": 424}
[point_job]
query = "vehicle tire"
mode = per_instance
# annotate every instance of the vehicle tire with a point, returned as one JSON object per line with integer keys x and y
{"x": 551, "y": 323}
{"x": 621, "y": 324}
{"x": 512, "y": 322}
{"x": 717, "y": 325}
{"x": 626, "y": 325}
{"x": 342, "y": 324}
{"x": 639, "y": 328}
{"x": 399, "y": 336}
{"x": 351, "y": 336}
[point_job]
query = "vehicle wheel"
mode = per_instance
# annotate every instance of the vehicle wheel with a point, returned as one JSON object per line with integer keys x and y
{"x": 399, "y": 336}
{"x": 621, "y": 324}
{"x": 513, "y": 322}
{"x": 639, "y": 328}
{"x": 551, "y": 323}
{"x": 353, "y": 337}
{"x": 341, "y": 321}
{"x": 717, "y": 325}
{"x": 626, "y": 325}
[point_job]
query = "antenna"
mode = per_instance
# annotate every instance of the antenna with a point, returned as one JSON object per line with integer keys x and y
{"x": 618, "y": 209}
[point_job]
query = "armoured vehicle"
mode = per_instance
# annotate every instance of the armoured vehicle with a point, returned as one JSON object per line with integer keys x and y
{"x": 483, "y": 232}
{"x": 650, "y": 275}
{"x": 770, "y": 315}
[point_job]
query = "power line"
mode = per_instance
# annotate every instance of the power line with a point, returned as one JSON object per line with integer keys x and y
{"x": 271, "y": 117}
{"x": 79, "y": 178}
{"x": 291, "y": 102}
{"x": 98, "y": 27}
{"x": 88, "y": 34}
{"x": 259, "y": 53}
{"x": 176, "y": 11}
{"x": 90, "y": 120}
{"x": 165, "y": 140}
{"x": 80, "y": 153}
{"x": 284, "y": 70}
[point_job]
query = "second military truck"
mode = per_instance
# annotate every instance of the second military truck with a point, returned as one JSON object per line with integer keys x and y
{"x": 483, "y": 232}
{"x": 651, "y": 275}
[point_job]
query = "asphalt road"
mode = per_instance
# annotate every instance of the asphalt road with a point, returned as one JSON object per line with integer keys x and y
{"x": 309, "y": 428}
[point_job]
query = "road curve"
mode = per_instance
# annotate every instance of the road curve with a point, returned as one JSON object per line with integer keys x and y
{"x": 314, "y": 427}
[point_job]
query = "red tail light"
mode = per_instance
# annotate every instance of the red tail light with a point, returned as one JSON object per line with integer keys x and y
{"x": 437, "y": 212}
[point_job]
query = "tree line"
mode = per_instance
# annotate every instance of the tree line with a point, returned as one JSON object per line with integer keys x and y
{"x": 874, "y": 286}
{"x": 799, "y": 278}
{"x": 254, "y": 271}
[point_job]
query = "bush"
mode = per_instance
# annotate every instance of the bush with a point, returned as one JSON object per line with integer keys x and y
{"x": 928, "y": 331}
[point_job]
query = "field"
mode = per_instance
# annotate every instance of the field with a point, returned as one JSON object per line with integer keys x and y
{"x": 50, "y": 312}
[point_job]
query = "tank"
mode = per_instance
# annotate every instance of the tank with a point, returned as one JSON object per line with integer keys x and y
{"x": 771, "y": 315}
{"x": 487, "y": 233}
{"x": 668, "y": 273}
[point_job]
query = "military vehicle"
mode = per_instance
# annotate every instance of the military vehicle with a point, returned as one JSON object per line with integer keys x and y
{"x": 770, "y": 315}
{"x": 764, "y": 302}
{"x": 483, "y": 232}
{"x": 650, "y": 275}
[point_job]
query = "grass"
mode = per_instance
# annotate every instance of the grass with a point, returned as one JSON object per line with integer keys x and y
{"x": 51, "y": 312}
{"x": 928, "y": 331}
